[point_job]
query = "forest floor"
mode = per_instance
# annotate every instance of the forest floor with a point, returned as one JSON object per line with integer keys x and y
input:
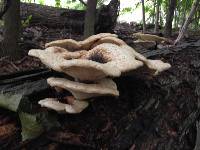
{"x": 150, "y": 114}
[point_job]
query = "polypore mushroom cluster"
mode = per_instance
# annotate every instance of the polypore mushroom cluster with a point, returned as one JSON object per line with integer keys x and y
{"x": 92, "y": 63}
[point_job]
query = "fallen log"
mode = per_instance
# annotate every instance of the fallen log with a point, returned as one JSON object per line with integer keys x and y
{"x": 149, "y": 114}
{"x": 53, "y": 17}
{"x": 71, "y": 19}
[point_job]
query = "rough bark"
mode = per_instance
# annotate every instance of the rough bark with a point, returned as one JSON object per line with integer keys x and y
{"x": 11, "y": 31}
{"x": 89, "y": 26}
{"x": 143, "y": 17}
{"x": 169, "y": 18}
{"x": 188, "y": 21}
{"x": 157, "y": 17}
{"x": 107, "y": 17}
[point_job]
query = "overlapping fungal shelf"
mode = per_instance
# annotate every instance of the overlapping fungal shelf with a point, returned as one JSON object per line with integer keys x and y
{"x": 92, "y": 63}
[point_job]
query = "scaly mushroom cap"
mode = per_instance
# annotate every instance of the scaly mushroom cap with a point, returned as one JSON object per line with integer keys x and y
{"x": 87, "y": 43}
{"x": 157, "y": 65}
{"x": 47, "y": 58}
{"x": 52, "y": 103}
{"x": 68, "y": 44}
{"x": 83, "y": 91}
{"x": 109, "y": 39}
{"x": 104, "y": 60}
{"x": 73, "y": 45}
{"x": 64, "y": 61}
{"x": 52, "y": 57}
{"x": 110, "y": 58}
{"x": 154, "y": 66}
{"x": 150, "y": 37}
{"x": 117, "y": 56}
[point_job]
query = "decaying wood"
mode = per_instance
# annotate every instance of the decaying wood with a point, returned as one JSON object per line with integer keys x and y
{"x": 159, "y": 113}
{"x": 52, "y": 17}
{"x": 70, "y": 19}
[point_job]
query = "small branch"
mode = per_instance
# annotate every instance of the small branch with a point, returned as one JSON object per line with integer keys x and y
{"x": 187, "y": 21}
{"x": 82, "y": 2}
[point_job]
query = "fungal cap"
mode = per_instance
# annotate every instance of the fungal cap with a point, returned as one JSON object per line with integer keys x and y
{"x": 86, "y": 90}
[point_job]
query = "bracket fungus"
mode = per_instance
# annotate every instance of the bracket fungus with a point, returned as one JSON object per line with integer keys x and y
{"x": 150, "y": 37}
{"x": 74, "y": 107}
{"x": 83, "y": 91}
{"x": 92, "y": 63}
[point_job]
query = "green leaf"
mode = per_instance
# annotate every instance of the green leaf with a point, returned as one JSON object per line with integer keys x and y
{"x": 33, "y": 125}
{"x": 31, "y": 128}
{"x": 126, "y": 10}
{"x": 22, "y": 98}
{"x": 10, "y": 102}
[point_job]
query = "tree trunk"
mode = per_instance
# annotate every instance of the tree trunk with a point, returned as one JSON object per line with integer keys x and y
{"x": 90, "y": 16}
{"x": 154, "y": 10}
{"x": 11, "y": 31}
{"x": 196, "y": 21}
{"x": 169, "y": 18}
{"x": 184, "y": 14}
{"x": 175, "y": 18}
{"x": 107, "y": 17}
{"x": 160, "y": 17}
{"x": 143, "y": 17}
{"x": 188, "y": 21}
{"x": 157, "y": 17}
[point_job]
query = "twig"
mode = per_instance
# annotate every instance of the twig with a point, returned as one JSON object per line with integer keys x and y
{"x": 189, "y": 121}
{"x": 12, "y": 64}
{"x": 2, "y": 58}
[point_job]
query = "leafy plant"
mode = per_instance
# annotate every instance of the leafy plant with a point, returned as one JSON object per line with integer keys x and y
{"x": 41, "y": 2}
{"x": 26, "y": 22}
{"x": 31, "y": 128}
{"x": 20, "y": 100}
{"x": 58, "y": 4}
{"x": 126, "y": 10}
